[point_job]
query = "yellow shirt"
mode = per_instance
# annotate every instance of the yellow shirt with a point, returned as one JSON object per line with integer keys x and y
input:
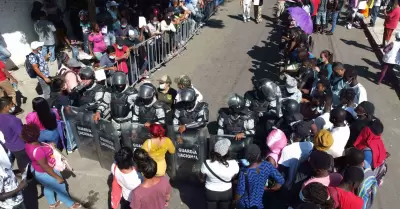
{"x": 157, "y": 151}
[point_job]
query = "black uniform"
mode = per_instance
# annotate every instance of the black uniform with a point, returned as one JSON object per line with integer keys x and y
{"x": 192, "y": 119}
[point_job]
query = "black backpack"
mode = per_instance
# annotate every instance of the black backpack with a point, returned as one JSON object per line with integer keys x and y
{"x": 28, "y": 66}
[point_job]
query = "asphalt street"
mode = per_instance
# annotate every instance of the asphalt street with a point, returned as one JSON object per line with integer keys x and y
{"x": 222, "y": 60}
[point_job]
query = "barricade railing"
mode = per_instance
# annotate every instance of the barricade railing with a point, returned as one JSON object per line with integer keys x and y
{"x": 151, "y": 54}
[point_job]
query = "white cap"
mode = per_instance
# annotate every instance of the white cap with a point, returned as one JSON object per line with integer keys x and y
{"x": 36, "y": 44}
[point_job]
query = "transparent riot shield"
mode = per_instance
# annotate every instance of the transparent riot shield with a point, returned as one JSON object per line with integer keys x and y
{"x": 79, "y": 127}
{"x": 134, "y": 134}
{"x": 191, "y": 152}
{"x": 237, "y": 148}
{"x": 107, "y": 142}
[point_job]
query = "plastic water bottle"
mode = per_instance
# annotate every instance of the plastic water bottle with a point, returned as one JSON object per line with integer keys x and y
{"x": 15, "y": 86}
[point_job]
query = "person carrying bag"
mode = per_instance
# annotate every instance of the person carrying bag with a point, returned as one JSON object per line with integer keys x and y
{"x": 218, "y": 173}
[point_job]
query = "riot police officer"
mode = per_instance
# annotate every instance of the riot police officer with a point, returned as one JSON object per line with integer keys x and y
{"x": 290, "y": 116}
{"x": 147, "y": 109}
{"x": 190, "y": 113}
{"x": 236, "y": 120}
{"x": 93, "y": 94}
{"x": 265, "y": 99}
{"x": 118, "y": 103}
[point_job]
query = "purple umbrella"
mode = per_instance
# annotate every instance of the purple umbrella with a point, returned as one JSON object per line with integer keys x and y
{"x": 302, "y": 19}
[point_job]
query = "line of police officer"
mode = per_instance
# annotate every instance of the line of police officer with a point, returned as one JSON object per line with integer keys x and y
{"x": 252, "y": 115}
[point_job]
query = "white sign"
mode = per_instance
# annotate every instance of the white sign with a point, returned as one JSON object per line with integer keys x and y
{"x": 142, "y": 21}
{"x": 100, "y": 75}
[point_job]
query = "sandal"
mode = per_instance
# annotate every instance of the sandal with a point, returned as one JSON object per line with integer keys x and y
{"x": 58, "y": 203}
{"x": 75, "y": 205}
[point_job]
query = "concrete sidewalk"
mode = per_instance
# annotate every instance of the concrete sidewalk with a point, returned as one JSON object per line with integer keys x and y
{"x": 375, "y": 37}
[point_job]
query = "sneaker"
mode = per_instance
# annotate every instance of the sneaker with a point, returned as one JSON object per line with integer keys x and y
{"x": 349, "y": 26}
{"x": 17, "y": 111}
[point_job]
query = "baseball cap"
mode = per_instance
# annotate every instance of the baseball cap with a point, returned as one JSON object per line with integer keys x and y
{"x": 165, "y": 79}
{"x": 222, "y": 146}
{"x": 36, "y": 44}
{"x": 184, "y": 80}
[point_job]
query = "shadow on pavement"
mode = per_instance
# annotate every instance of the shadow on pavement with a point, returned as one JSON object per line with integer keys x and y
{"x": 191, "y": 193}
{"x": 214, "y": 23}
{"x": 265, "y": 62}
{"x": 356, "y": 44}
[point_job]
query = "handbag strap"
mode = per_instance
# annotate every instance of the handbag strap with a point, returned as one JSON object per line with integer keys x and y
{"x": 214, "y": 174}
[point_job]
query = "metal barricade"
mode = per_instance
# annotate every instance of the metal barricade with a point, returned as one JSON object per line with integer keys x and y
{"x": 151, "y": 54}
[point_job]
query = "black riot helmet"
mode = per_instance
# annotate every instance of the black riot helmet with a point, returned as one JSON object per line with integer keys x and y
{"x": 119, "y": 81}
{"x": 86, "y": 73}
{"x": 267, "y": 88}
{"x": 236, "y": 103}
{"x": 188, "y": 98}
{"x": 290, "y": 107}
{"x": 146, "y": 93}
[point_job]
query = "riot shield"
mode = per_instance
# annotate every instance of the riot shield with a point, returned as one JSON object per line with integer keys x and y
{"x": 79, "y": 126}
{"x": 134, "y": 134}
{"x": 191, "y": 152}
{"x": 237, "y": 148}
{"x": 107, "y": 140}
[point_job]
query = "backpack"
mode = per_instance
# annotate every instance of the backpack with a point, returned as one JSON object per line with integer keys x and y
{"x": 28, "y": 66}
{"x": 368, "y": 188}
{"x": 380, "y": 172}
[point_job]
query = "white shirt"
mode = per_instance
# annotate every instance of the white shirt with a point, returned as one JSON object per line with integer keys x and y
{"x": 166, "y": 27}
{"x": 361, "y": 94}
{"x": 340, "y": 137}
{"x": 393, "y": 55}
{"x": 198, "y": 99}
{"x": 128, "y": 181}
{"x": 322, "y": 121}
{"x": 292, "y": 155}
{"x": 8, "y": 183}
{"x": 224, "y": 172}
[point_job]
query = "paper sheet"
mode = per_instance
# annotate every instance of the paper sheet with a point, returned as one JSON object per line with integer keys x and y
{"x": 142, "y": 21}
{"x": 100, "y": 75}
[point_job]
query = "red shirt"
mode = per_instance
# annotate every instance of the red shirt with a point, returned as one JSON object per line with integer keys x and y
{"x": 349, "y": 200}
{"x": 393, "y": 19}
{"x": 315, "y": 4}
{"x": 122, "y": 66}
{"x": 2, "y": 74}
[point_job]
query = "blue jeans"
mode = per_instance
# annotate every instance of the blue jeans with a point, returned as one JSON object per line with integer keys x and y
{"x": 321, "y": 15}
{"x": 4, "y": 53}
{"x": 51, "y": 186}
{"x": 49, "y": 48}
{"x": 374, "y": 14}
{"x": 109, "y": 38}
{"x": 45, "y": 88}
{"x": 335, "y": 16}
{"x": 75, "y": 52}
{"x": 71, "y": 142}
{"x": 86, "y": 43}
{"x": 49, "y": 136}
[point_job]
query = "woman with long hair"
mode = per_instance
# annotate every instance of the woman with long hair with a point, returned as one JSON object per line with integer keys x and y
{"x": 43, "y": 164}
{"x": 157, "y": 146}
{"x": 126, "y": 174}
{"x": 46, "y": 119}
{"x": 219, "y": 172}
{"x": 326, "y": 59}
